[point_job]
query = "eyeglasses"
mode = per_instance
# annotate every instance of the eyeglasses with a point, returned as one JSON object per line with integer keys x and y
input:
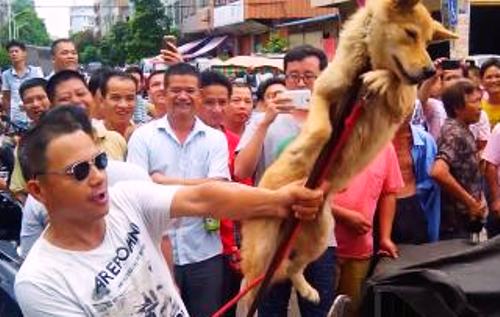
{"x": 307, "y": 78}
{"x": 81, "y": 170}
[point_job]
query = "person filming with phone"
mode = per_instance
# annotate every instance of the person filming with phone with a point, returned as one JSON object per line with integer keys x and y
{"x": 260, "y": 145}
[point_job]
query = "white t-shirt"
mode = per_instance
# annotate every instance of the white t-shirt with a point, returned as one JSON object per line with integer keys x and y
{"x": 125, "y": 276}
{"x": 491, "y": 152}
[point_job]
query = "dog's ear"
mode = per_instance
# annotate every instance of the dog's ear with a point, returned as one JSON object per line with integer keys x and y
{"x": 441, "y": 33}
{"x": 405, "y": 4}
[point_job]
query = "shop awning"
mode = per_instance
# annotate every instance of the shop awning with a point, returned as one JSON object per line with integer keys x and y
{"x": 210, "y": 45}
{"x": 321, "y": 18}
{"x": 183, "y": 49}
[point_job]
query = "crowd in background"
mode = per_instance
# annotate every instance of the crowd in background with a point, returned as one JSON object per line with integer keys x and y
{"x": 437, "y": 180}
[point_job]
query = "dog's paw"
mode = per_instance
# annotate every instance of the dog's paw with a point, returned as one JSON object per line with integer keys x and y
{"x": 309, "y": 293}
{"x": 377, "y": 82}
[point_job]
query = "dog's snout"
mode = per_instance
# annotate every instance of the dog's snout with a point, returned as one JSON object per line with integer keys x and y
{"x": 428, "y": 72}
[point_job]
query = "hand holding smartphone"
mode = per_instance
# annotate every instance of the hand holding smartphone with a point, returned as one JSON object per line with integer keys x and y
{"x": 450, "y": 64}
{"x": 169, "y": 42}
{"x": 300, "y": 98}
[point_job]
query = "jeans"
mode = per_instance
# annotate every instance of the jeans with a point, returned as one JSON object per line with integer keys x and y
{"x": 200, "y": 285}
{"x": 320, "y": 274}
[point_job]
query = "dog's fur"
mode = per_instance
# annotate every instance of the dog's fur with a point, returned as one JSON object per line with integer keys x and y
{"x": 390, "y": 36}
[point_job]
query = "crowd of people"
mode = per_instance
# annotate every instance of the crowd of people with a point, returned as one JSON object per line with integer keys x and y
{"x": 149, "y": 249}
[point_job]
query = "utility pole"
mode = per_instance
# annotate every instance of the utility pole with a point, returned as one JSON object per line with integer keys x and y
{"x": 9, "y": 19}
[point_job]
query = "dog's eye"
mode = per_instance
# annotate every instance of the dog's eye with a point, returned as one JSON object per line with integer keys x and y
{"x": 411, "y": 33}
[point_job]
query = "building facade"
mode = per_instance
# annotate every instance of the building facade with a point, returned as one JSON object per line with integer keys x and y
{"x": 82, "y": 18}
{"x": 109, "y": 12}
{"x": 3, "y": 13}
{"x": 248, "y": 24}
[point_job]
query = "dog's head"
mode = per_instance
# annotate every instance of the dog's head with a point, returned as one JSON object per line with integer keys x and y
{"x": 399, "y": 33}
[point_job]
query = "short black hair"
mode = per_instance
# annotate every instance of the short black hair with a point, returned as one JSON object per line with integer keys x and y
{"x": 96, "y": 78}
{"x": 261, "y": 90}
{"x": 181, "y": 69}
{"x": 54, "y": 44}
{"x": 154, "y": 73}
{"x": 115, "y": 74}
{"x": 487, "y": 64}
{"x": 135, "y": 70}
{"x": 15, "y": 43}
{"x": 453, "y": 97}
{"x": 302, "y": 52}
{"x": 54, "y": 123}
{"x": 213, "y": 78}
{"x": 61, "y": 77}
{"x": 32, "y": 83}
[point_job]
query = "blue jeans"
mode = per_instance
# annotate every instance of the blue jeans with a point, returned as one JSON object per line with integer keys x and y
{"x": 320, "y": 274}
{"x": 200, "y": 285}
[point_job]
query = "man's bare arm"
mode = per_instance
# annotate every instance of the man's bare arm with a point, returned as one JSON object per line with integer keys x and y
{"x": 441, "y": 173}
{"x": 165, "y": 180}
{"x": 237, "y": 201}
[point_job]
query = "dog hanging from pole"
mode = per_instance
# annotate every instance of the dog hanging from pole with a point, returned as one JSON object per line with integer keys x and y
{"x": 391, "y": 37}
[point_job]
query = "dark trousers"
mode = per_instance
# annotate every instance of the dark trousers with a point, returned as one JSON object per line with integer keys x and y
{"x": 320, "y": 274}
{"x": 230, "y": 286}
{"x": 201, "y": 286}
{"x": 410, "y": 224}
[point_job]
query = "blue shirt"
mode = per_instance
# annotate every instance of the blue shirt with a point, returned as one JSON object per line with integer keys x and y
{"x": 11, "y": 81}
{"x": 204, "y": 154}
{"x": 428, "y": 192}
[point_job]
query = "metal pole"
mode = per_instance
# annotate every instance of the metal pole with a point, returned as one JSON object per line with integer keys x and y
{"x": 9, "y": 19}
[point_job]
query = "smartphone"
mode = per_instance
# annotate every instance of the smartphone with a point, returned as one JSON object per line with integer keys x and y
{"x": 169, "y": 39}
{"x": 450, "y": 64}
{"x": 300, "y": 98}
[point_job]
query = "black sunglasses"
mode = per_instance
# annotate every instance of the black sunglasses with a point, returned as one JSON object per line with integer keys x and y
{"x": 81, "y": 170}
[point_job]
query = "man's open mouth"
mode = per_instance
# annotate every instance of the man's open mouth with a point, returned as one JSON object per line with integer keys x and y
{"x": 412, "y": 79}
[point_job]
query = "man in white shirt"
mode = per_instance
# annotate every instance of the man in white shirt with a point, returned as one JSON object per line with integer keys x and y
{"x": 99, "y": 256}
{"x": 179, "y": 149}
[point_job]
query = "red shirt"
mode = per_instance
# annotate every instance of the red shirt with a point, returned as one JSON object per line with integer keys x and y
{"x": 381, "y": 176}
{"x": 227, "y": 230}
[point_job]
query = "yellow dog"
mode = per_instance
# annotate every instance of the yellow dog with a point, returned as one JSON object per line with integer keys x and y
{"x": 390, "y": 36}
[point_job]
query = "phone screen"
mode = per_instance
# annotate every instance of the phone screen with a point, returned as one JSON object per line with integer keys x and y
{"x": 450, "y": 64}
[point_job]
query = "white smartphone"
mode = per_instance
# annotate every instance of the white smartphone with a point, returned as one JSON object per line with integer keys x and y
{"x": 300, "y": 98}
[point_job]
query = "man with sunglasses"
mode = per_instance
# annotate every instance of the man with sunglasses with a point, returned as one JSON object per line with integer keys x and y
{"x": 35, "y": 217}
{"x": 100, "y": 255}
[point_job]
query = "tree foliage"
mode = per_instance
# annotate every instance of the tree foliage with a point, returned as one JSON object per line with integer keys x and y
{"x": 128, "y": 42}
{"x": 31, "y": 28}
{"x": 114, "y": 47}
{"x": 87, "y": 46}
{"x": 4, "y": 58}
{"x": 275, "y": 44}
{"x": 148, "y": 26}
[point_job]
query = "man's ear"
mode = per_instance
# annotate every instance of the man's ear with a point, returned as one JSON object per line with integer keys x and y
{"x": 35, "y": 190}
{"x": 441, "y": 33}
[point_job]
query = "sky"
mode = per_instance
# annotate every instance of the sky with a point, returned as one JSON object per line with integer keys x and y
{"x": 55, "y": 13}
